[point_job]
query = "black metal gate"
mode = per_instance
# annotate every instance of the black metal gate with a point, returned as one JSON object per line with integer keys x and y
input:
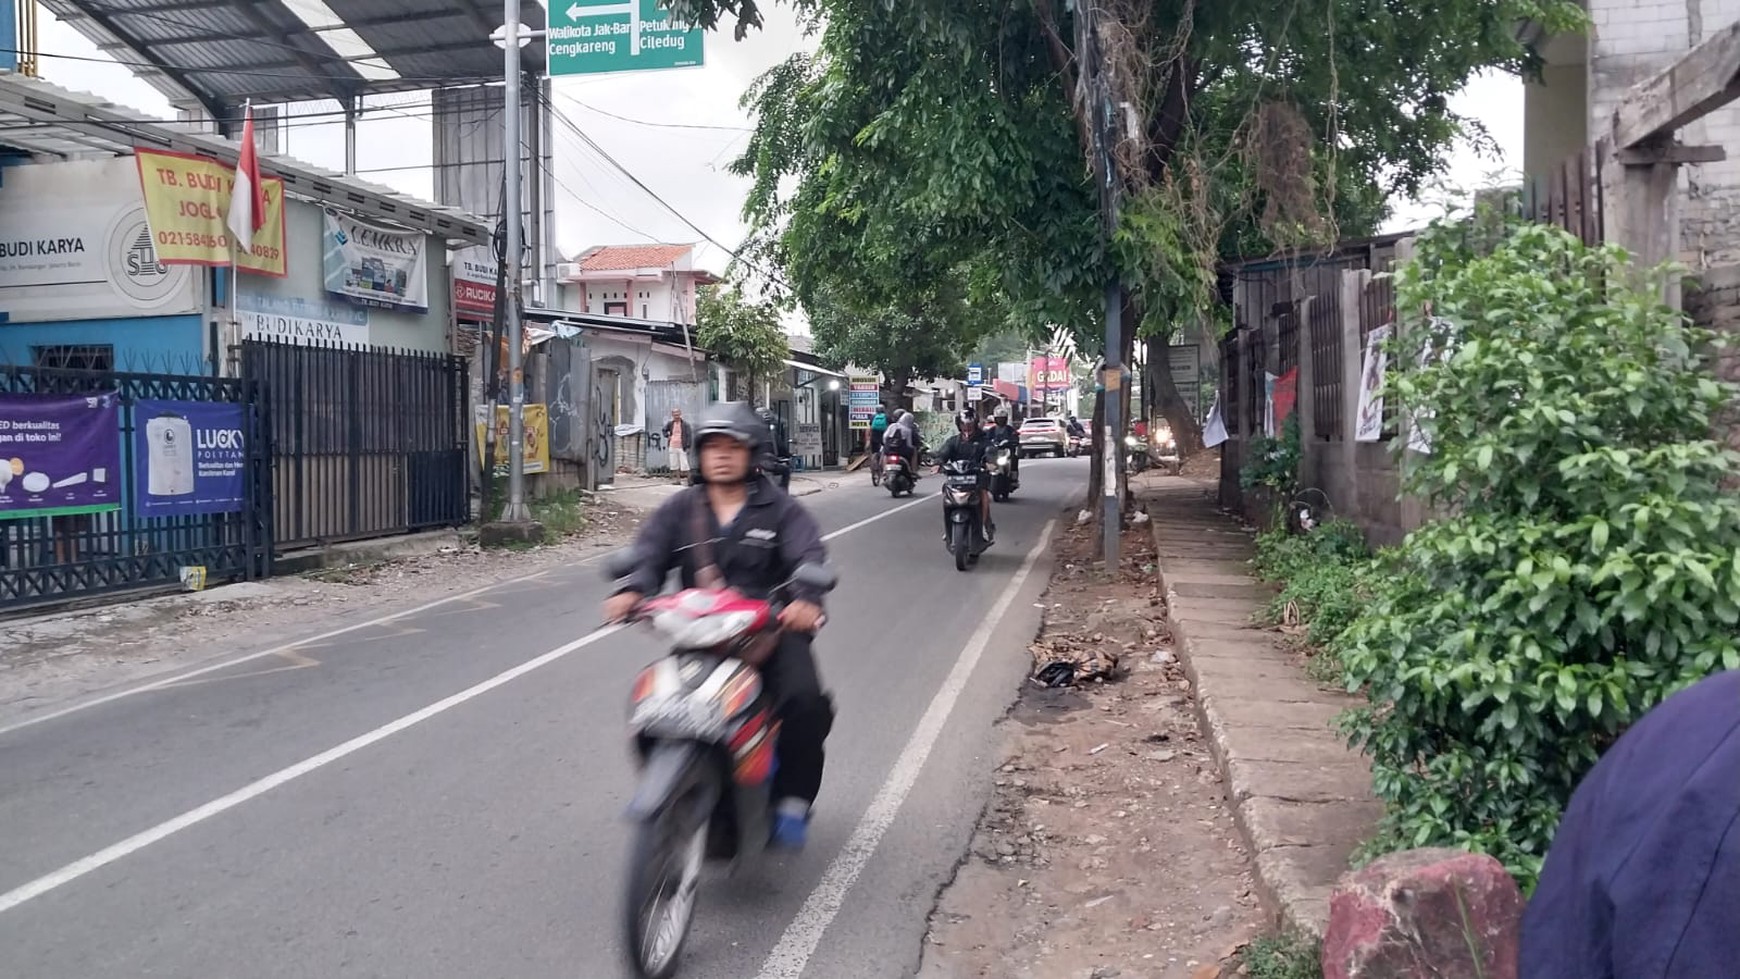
{"x": 365, "y": 443}
{"x": 50, "y": 558}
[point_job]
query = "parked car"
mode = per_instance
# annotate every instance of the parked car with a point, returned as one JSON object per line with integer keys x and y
{"x": 1045, "y": 436}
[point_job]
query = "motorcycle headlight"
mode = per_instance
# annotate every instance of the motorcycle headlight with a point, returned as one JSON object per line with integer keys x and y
{"x": 1132, "y": 441}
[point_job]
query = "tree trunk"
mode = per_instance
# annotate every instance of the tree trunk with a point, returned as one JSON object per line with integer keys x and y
{"x": 1179, "y": 414}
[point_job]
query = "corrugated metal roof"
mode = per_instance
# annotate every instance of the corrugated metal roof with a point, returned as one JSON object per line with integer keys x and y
{"x": 216, "y": 53}
{"x": 41, "y": 118}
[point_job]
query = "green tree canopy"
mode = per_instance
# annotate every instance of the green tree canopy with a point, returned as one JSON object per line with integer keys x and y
{"x": 744, "y": 333}
{"x": 929, "y": 136}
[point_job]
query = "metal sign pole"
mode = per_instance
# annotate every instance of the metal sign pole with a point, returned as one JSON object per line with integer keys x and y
{"x": 511, "y": 159}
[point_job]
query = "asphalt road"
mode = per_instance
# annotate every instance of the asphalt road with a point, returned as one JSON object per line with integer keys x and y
{"x": 439, "y": 795}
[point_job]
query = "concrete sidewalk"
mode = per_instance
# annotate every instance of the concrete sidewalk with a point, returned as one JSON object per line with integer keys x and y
{"x": 1300, "y": 797}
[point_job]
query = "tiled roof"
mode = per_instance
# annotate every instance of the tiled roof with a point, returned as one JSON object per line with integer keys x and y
{"x": 611, "y": 258}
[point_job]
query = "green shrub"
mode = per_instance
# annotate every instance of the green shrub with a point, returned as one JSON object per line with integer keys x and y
{"x": 1324, "y": 577}
{"x": 1590, "y": 566}
{"x": 1273, "y": 463}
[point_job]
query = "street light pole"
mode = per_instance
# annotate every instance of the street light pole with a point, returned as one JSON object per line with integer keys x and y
{"x": 516, "y": 510}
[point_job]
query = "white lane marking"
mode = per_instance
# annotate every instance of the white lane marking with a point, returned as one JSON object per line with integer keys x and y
{"x": 180, "y": 679}
{"x": 867, "y": 520}
{"x": 139, "y": 841}
{"x": 789, "y": 958}
{"x": 278, "y": 650}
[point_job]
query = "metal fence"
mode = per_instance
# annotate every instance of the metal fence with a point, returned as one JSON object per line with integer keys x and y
{"x": 58, "y": 557}
{"x": 365, "y": 443}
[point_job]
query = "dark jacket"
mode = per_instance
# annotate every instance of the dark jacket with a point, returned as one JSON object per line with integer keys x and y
{"x": 688, "y": 433}
{"x": 771, "y": 536}
{"x": 957, "y": 449}
{"x": 1002, "y": 434}
{"x": 1643, "y": 879}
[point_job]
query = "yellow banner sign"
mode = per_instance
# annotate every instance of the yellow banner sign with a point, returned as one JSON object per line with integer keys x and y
{"x": 187, "y": 199}
{"x": 537, "y": 429}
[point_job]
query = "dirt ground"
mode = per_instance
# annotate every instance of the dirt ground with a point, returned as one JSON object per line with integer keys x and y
{"x": 49, "y": 658}
{"x": 1107, "y": 849}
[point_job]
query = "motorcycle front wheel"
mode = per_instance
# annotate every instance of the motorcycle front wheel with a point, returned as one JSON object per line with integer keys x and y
{"x": 664, "y": 875}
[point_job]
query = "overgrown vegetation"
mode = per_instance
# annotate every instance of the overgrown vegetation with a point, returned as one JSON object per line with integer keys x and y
{"x": 563, "y": 513}
{"x": 1286, "y": 956}
{"x": 1273, "y": 463}
{"x": 742, "y": 332}
{"x": 1589, "y": 564}
{"x": 1326, "y": 579}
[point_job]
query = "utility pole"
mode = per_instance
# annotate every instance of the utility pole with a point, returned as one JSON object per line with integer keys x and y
{"x": 513, "y": 33}
{"x": 1103, "y": 109}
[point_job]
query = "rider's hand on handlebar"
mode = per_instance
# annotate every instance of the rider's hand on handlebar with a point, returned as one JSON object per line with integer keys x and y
{"x": 617, "y": 608}
{"x": 801, "y": 617}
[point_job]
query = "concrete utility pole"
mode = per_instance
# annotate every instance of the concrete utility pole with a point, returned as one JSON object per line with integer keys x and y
{"x": 1103, "y": 107}
{"x": 516, "y": 510}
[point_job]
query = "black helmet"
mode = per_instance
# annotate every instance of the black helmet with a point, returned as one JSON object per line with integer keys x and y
{"x": 965, "y": 419}
{"x": 734, "y": 419}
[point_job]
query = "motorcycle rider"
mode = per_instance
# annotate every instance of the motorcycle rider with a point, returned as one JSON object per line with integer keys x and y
{"x": 1074, "y": 426}
{"x": 970, "y": 444}
{"x": 1003, "y": 435}
{"x": 777, "y": 457}
{"x": 902, "y": 437}
{"x": 759, "y": 536}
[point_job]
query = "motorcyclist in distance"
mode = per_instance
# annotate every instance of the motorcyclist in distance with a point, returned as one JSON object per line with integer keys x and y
{"x": 1003, "y": 434}
{"x": 970, "y": 444}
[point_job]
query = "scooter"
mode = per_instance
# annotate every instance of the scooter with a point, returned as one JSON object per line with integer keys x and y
{"x": 1136, "y": 460}
{"x": 963, "y": 528}
{"x": 706, "y": 744}
{"x": 1004, "y": 479}
{"x": 1077, "y": 445}
{"x": 897, "y": 475}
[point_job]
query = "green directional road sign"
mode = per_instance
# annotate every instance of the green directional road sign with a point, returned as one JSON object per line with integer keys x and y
{"x": 594, "y": 37}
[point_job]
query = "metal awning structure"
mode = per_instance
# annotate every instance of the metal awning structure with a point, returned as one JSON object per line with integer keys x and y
{"x": 216, "y": 53}
{"x": 44, "y": 119}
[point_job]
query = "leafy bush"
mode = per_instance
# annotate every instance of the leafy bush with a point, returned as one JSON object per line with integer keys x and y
{"x": 1325, "y": 579}
{"x": 1273, "y": 463}
{"x": 1590, "y": 565}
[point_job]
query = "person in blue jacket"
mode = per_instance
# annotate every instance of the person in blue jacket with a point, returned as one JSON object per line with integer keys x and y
{"x": 1643, "y": 878}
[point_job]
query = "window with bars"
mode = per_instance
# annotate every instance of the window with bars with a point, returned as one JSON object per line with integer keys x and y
{"x": 75, "y": 357}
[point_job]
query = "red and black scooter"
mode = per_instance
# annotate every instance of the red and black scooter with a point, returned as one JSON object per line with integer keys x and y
{"x": 706, "y": 743}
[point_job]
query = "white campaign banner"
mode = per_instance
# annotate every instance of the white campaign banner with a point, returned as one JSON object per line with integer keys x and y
{"x": 74, "y": 245}
{"x": 376, "y": 266}
{"x": 1368, "y": 422}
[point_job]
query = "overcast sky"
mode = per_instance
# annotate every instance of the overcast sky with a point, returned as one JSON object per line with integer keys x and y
{"x": 684, "y": 166}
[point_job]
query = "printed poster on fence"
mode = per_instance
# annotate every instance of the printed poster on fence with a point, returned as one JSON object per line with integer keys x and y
{"x": 59, "y": 454}
{"x": 187, "y": 199}
{"x": 376, "y": 266}
{"x": 1439, "y": 345}
{"x": 1368, "y": 422}
{"x": 536, "y": 422}
{"x": 188, "y": 457}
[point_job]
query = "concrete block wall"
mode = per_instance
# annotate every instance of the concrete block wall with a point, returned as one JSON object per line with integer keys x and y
{"x": 1632, "y": 41}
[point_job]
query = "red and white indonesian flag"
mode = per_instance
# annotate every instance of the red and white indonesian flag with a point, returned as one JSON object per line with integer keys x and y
{"x": 248, "y": 198}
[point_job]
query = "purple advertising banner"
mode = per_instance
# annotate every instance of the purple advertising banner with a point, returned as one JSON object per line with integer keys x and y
{"x": 188, "y": 457}
{"x": 59, "y": 454}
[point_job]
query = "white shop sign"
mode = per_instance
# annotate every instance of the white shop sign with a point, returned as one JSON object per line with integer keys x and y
{"x": 296, "y": 320}
{"x": 74, "y": 245}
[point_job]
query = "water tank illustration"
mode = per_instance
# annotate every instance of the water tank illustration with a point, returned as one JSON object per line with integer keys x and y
{"x": 169, "y": 456}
